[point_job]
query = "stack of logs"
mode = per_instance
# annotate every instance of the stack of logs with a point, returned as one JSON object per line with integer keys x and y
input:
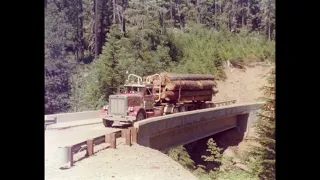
{"x": 186, "y": 87}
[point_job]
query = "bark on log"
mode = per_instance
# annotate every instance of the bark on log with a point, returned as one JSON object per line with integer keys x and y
{"x": 190, "y": 85}
{"x": 175, "y": 94}
{"x": 192, "y": 77}
{"x": 169, "y": 77}
{"x": 191, "y": 98}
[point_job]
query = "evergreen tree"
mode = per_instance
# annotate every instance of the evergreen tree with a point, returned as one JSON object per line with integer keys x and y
{"x": 180, "y": 155}
{"x": 215, "y": 153}
{"x": 59, "y": 62}
{"x": 263, "y": 161}
{"x": 104, "y": 76}
{"x": 186, "y": 36}
{"x": 268, "y": 17}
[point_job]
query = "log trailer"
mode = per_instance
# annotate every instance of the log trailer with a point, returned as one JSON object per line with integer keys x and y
{"x": 157, "y": 95}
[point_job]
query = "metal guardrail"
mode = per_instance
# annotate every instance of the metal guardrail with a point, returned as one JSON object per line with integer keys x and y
{"x": 49, "y": 120}
{"x": 70, "y": 117}
{"x": 225, "y": 103}
{"x": 88, "y": 145}
{"x": 76, "y": 116}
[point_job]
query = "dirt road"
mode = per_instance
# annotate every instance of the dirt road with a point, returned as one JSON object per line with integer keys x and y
{"x": 244, "y": 86}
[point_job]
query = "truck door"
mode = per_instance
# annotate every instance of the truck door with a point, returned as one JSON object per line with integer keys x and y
{"x": 148, "y": 98}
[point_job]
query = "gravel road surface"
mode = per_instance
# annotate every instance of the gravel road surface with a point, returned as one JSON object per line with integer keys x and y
{"x": 124, "y": 163}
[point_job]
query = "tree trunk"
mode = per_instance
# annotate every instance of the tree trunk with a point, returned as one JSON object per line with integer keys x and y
{"x": 161, "y": 20}
{"x": 198, "y": 11}
{"x": 215, "y": 14}
{"x": 179, "y": 15}
{"x": 269, "y": 28}
{"x": 80, "y": 37}
{"x": 119, "y": 16}
{"x": 171, "y": 13}
{"x": 114, "y": 11}
{"x": 96, "y": 30}
{"x": 242, "y": 16}
{"x": 123, "y": 17}
{"x": 102, "y": 25}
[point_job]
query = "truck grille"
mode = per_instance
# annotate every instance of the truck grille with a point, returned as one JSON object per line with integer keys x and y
{"x": 118, "y": 105}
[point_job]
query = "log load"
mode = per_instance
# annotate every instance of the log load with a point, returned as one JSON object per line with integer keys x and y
{"x": 169, "y": 77}
{"x": 190, "y": 85}
{"x": 185, "y": 87}
{"x": 203, "y": 95}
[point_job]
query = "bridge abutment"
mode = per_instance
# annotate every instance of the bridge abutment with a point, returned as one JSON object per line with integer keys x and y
{"x": 245, "y": 122}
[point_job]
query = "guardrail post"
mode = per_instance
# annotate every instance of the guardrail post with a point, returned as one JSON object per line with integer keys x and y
{"x": 123, "y": 133}
{"x": 89, "y": 147}
{"x": 134, "y": 132}
{"x": 128, "y": 136}
{"x": 112, "y": 140}
{"x": 66, "y": 156}
{"x": 70, "y": 153}
{"x": 107, "y": 138}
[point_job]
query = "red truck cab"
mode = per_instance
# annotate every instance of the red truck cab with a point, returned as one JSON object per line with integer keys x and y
{"x": 133, "y": 102}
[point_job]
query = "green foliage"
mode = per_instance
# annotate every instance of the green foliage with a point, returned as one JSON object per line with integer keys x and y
{"x": 235, "y": 175}
{"x": 200, "y": 170}
{"x": 144, "y": 51}
{"x": 146, "y": 37}
{"x": 104, "y": 75}
{"x": 214, "y": 150}
{"x": 180, "y": 155}
{"x": 77, "y": 83}
{"x": 262, "y": 159}
{"x": 59, "y": 63}
{"x": 209, "y": 49}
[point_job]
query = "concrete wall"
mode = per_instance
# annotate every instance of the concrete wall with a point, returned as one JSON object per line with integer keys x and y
{"x": 67, "y": 117}
{"x": 245, "y": 121}
{"x": 190, "y": 133}
{"x": 176, "y": 129}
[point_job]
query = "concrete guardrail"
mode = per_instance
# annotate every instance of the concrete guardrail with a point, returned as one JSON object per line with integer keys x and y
{"x": 67, "y": 117}
{"x": 154, "y": 126}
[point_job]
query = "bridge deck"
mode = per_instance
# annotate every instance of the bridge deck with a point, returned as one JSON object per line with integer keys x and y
{"x": 135, "y": 162}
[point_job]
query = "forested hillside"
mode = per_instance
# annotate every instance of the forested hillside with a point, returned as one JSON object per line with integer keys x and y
{"x": 91, "y": 44}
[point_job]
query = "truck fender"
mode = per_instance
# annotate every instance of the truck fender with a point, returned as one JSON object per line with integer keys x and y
{"x": 138, "y": 109}
{"x": 143, "y": 111}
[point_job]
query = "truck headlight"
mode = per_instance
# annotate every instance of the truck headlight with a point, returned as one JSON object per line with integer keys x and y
{"x": 130, "y": 108}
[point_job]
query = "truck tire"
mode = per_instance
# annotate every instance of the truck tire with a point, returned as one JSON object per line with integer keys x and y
{"x": 140, "y": 116}
{"x": 175, "y": 110}
{"x": 182, "y": 109}
{"x": 107, "y": 123}
{"x": 179, "y": 109}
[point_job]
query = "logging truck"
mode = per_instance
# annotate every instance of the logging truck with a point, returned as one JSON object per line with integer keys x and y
{"x": 157, "y": 95}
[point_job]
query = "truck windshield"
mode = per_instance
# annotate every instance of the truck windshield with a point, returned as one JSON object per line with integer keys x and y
{"x": 133, "y": 89}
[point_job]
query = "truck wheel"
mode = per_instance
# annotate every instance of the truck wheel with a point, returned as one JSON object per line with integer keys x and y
{"x": 182, "y": 109}
{"x": 140, "y": 116}
{"x": 107, "y": 123}
{"x": 175, "y": 110}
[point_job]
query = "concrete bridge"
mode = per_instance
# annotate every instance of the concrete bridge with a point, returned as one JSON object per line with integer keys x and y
{"x": 164, "y": 132}
{"x": 168, "y": 131}
{"x": 159, "y": 133}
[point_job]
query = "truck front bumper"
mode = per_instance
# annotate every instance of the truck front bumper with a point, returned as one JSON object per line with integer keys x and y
{"x": 119, "y": 118}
